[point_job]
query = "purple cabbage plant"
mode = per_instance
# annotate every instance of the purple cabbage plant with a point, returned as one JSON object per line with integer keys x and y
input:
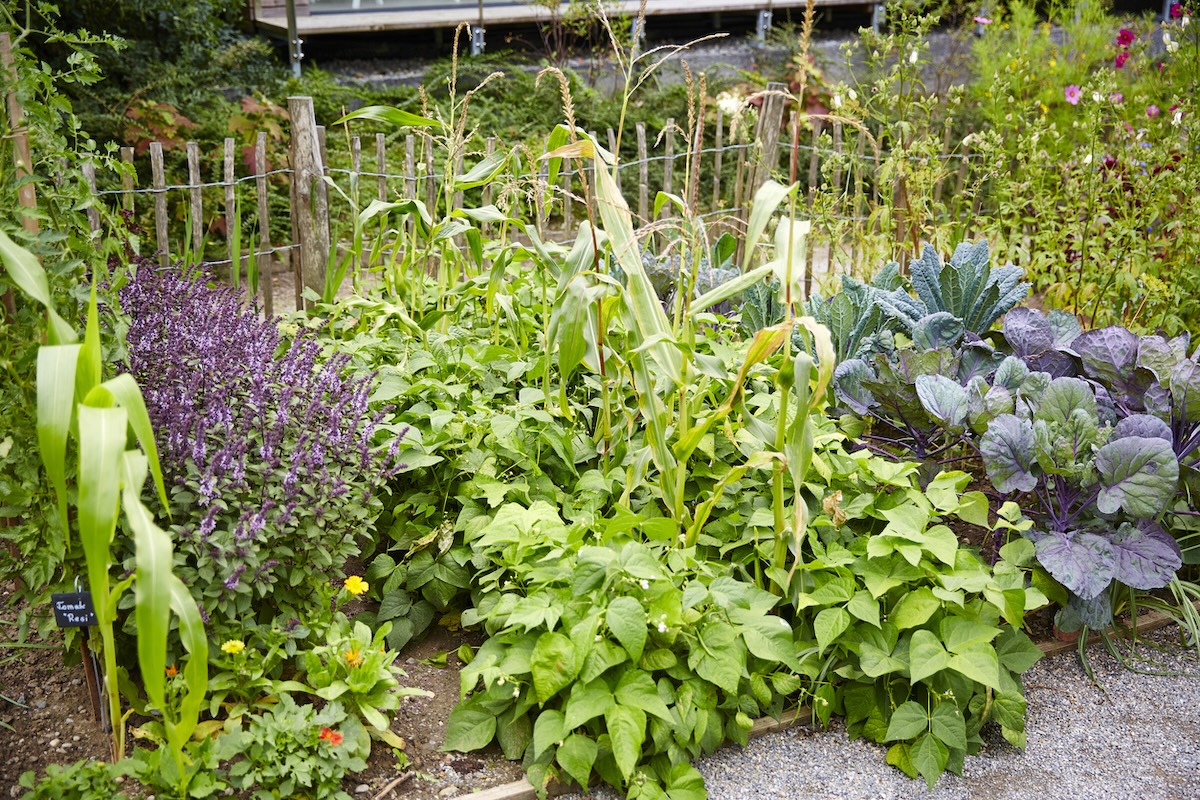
{"x": 1095, "y": 491}
{"x": 1094, "y": 431}
{"x": 268, "y": 445}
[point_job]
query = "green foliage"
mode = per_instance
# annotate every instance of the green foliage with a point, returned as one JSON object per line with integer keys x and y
{"x": 620, "y": 657}
{"x": 967, "y": 287}
{"x": 295, "y": 752}
{"x": 1092, "y": 196}
{"x": 65, "y": 249}
{"x": 74, "y": 403}
{"x": 174, "y": 54}
{"x": 252, "y": 678}
{"x": 197, "y": 775}
{"x": 354, "y": 668}
{"x": 920, "y": 641}
{"x": 81, "y": 780}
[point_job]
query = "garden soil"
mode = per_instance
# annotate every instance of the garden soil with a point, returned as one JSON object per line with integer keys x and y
{"x": 46, "y": 718}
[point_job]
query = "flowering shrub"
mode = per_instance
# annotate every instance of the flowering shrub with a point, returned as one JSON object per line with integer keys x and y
{"x": 1091, "y": 176}
{"x": 267, "y": 445}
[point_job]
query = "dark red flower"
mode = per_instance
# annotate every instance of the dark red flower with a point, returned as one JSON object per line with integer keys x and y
{"x": 1126, "y": 37}
{"x": 1122, "y": 57}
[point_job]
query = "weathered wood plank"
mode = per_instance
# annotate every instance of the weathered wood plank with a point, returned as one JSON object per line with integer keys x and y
{"x": 266, "y": 258}
{"x": 159, "y": 183}
{"x": 196, "y": 196}
{"x": 312, "y": 202}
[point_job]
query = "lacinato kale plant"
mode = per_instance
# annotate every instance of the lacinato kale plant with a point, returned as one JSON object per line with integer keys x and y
{"x": 268, "y": 446}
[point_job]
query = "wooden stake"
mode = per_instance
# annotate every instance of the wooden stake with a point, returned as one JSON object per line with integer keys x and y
{"x": 197, "y": 203}
{"x": 381, "y": 166}
{"x": 159, "y": 182}
{"x": 265, "y": 271}
{"x": 26, "y": 195}
{"x": 231, "y": 211}
{"x": 312, "y": 202}
{"x": 719, "y": 134}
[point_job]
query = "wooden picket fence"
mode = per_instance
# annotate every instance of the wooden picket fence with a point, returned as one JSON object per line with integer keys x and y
{"x": 732, "y": 172}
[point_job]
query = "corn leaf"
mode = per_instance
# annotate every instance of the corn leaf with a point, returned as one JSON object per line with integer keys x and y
{"x": 151, "y": 587}
{"x": 126, "y": 393}
{"x": 557, "y": 139}
{"x": 377, "y": 207}
{"x": 791, "y": 238}
{"x": 90, "y": 369}
{"x": 719, "y": 294}
{"x": 826, "y": 357}
{"x": 101, "y": 444}
{"x": 195, "y": 673}
{"x": 482, "y": 173}
{"x": 24, "y": 270}
{"x": 766, "y": 201}
{"x": 389, "y": 115}
{"x": 56, "y": 404}
{"x": 648, "y": 318}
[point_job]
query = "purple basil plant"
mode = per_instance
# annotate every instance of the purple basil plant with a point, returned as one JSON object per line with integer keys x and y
{"x": 269, "y": 445}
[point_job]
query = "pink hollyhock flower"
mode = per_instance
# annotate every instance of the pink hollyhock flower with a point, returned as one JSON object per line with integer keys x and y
{"x": 1152, "y": 111}
{"x": 1072, "y": 94}
{"x": 1126, "y": 37}
{"x": 1122, "y": 57}
{"x": 982, "y": 21}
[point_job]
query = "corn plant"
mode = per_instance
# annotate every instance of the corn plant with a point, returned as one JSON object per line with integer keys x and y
{"x": 673, "y": 384}
{"x": 75, "y": 403}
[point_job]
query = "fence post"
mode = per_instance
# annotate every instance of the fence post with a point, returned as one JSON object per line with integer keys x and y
{"x": 311, "y": 209}
{"x": 769, "y": 123}
{"x": 26, "y": 196}
{"x": 197, "y": 207}
{"x": 159, "y": 181}
{"x": 265, "y": 270}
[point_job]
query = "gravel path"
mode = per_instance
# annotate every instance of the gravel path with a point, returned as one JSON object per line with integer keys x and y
{"x": 1137, "y": 738}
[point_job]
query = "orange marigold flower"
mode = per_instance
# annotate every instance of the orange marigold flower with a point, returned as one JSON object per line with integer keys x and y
{"x": 172, "y": 670}
{"x": 331, "y": 736}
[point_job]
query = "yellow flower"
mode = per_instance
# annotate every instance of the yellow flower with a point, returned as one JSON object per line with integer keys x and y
{"x": 353, "y": 657}
{"x": 355, "y": 585}
{"x": 233, "y": 647}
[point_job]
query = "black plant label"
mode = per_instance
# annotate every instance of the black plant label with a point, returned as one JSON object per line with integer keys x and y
{"x": 73, "y": 610}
